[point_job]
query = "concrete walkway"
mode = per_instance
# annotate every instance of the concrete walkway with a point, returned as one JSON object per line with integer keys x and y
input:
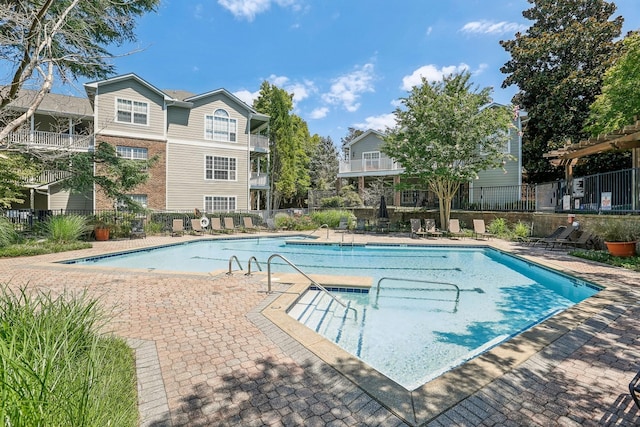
{"x": 208, "y": 357}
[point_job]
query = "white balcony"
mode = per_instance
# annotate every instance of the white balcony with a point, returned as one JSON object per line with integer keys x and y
{"x": 51, "y": 140}
{"x": 259, "y": 180}
{"x": 259, "y": 143}
{"x": 46, "y": 177}
{"x": 383, "y": 164}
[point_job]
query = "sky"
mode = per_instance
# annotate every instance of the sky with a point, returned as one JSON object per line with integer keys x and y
{"x": 346, "y": 62}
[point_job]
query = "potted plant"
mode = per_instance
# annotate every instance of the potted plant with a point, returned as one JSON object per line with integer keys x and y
{"x": 619, "y": 235}
{"x": 100, "y": 229}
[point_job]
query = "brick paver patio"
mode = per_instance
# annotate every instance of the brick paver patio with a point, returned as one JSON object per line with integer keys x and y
{"x": 208, "y": 357}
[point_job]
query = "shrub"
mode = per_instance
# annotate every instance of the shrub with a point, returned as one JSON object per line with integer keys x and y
{"x": 521, "y": 230}
{"x": 498, "y": 227}
{"x": 57, "y": 370}
{"x": 332, "y": 202}
{"x": 66, "y": 228}
{"x": 8, "y": 234}
{"x": 331, "y": 217}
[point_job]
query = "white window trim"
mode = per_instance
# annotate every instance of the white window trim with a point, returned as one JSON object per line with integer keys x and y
{"x": 132, "y": 121}
{"x": 213, "y": 170}
{"x": 364, "y": 161}
{"x": 132, "y": 149}
{"x": 213, "y": 131}
{"x": 228, "y": 198}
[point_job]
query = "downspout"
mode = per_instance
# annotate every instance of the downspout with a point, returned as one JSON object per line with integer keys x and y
{"x": 249, "y": 161}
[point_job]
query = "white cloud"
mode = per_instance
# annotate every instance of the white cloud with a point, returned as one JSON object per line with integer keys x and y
{"x": 248, "y": 9}
{"x": 490, "y": 27}
{"x": 300, "y": 90}
{"x": 347, "y": 89}
{"x": 319, "y": 113}
{"x": 432, "y": 73}
{"x": 246, "y": 96}
{"x": 379, "y": 123}
{"x": 429, "y": 30}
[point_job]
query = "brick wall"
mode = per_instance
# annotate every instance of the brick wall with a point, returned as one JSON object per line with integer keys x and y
{"x": 156, "y": 187}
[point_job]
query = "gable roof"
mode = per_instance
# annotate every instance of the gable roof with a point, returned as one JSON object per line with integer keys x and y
{"x": 364, "y": 135}
{"x": 228, "y": 94}
{"x": 54, "y": 104}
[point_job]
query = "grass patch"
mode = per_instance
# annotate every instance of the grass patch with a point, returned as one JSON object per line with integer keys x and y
{"x": 630, "y": 263}
{"x": 57, "y": 368}
{"x": 31, "y": 248}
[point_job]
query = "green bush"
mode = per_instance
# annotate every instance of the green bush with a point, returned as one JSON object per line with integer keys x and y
{"x": 331, "y": 217}
{"x": 8, "y": 234}
{"x": 521, "y": 230}
{"x": 332, "y": 202}
{"x": 499, "y": 227}
{"x": 66, "y": 228}
{"x": 57, "y": 369}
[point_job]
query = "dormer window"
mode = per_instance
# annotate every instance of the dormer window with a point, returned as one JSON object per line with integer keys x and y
{"x": 128, "y": 111}
{"x": 220, "y": 127}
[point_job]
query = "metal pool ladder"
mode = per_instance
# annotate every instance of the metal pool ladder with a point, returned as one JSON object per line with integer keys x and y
{"x": 318, "y": 285}
{"x": 457, "y": 289}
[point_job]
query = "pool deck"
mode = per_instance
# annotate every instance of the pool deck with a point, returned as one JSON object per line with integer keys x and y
{"x": 209, "y": 353}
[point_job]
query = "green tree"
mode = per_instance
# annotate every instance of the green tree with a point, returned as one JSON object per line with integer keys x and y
{"x": 558, "y": 65}
{"x": 15, "y": 169}
{"x": 445, "y": 135}
{"x": 41, "y": 40}
{"x": 619, "y": 101}
{"x": 324, "y": 164}
{"x": 288, "y": 135}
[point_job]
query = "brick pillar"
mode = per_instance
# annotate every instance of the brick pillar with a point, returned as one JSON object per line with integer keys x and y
{"x": 361, "y": 186}
{"x": 396, "y": 194}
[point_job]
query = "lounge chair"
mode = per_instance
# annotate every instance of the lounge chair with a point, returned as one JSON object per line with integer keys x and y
{"x": 343, "y": 226}
{"x": 430, "y": 228}
{"x": 247, "y": 225}
{"x": 137, "y": 230}
{"x": 416, "y": 228}
{"x": 216, "y": 226}
{"x": 563, "y": 235}
{"x": 271, "y": 224}
{"x": 361, "y": 225}
{"x": 584, "y": 239}
{"x": 196, "y": 226}
{"x": 454, "y": 228}
{"x": 480, "y": 230}
{"x": 553, "y": 235}
{"x": 229, "y": 225}
{"x": 177, "y": 228}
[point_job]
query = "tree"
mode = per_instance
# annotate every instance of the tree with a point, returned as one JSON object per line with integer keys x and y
{"x": 288, "y": 135}
{"x": 352, "y": 133}
{"x": 14, "y": 169}
{"x": 324, "y": 164}
{"x": 558, "y": 65}
{"x": 41, "y": 40}
{"x": 445, "y": 135}
{"x": 619, "y": 101}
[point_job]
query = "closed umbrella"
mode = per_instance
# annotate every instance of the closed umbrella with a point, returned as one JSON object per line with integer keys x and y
{"x": 383, "y": 213}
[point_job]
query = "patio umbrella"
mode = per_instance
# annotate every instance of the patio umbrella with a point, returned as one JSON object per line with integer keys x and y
{"x": 382, "y": 212}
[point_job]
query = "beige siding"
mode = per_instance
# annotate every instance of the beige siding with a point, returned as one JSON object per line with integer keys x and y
{"x": 186, "y": 184}
{"x": 498, "y": 177}
{"x": 64, "y": 200}
{"x": 371, "y": 142}
{"x": 189, "y": 125}
{"x": 132, "y": 90}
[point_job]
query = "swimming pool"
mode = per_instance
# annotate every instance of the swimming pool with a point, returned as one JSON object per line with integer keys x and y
{"x": 407, "y": 327}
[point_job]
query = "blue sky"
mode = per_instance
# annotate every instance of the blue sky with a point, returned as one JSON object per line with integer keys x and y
{"x": 346, "y": 62}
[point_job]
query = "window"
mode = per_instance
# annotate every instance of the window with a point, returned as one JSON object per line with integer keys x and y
{"x": 222, "y": 168}
{"x": 132, "y": 153}
{"x": 219, "y": 203}
{"x": 141, "y": 199}
{"x": 371, "y": 160}
{"x": 129, "y": 111}
{"x": 219, "y": 127}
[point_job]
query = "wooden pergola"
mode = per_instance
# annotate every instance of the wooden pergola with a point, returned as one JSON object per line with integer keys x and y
{"x": 627, "y": 138}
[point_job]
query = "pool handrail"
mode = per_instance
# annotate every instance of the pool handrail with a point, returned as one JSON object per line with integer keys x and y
{"x": 318, "y": 285}
{"x": 418, "y": 281}
{"x": 322, "y": 226}
{"x": 237, "y": 261}
{"x": 253, "y": 258}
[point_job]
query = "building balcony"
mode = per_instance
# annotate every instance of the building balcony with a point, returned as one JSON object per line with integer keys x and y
{"x": 45, "y": 178}
{"x": 382, "y": 166}
{"x": 259, "y": 181}
{"x": 50, "y": 140}
{"x": 259, "y": 143}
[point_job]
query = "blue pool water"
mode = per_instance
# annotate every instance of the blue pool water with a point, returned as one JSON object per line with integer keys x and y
{"x": 407, "y": 327}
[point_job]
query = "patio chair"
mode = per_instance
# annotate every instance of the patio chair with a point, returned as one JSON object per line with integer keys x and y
{"x": 634, "y": 389}
{"x": 216, "y": 225}
{"x": 196, "y": 226}
{"x": 343, "y": 226}
{"x": 247, "y": 224}
{"x": 271, "y": 224}
{"x": 361, "y": 225}
{"x": 583, "y": 240}
{"x": 177, "y": 227}
{"x": 137, "y": 230}
{"x": 553, "y": 235}
{"x": 479, "y": 229}
{"x": 563, "y": 235}
{"x": 454, "y": 228}
{"x": 229, "y": 225}
{"x": 416, "y": 228}
{"x": 430, "y": 228}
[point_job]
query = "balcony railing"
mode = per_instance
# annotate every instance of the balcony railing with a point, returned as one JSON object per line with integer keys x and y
{"x": 259, "y": 142}
{"x": 259, "y": 180}
{"x": 52, "y": 140}
{"x": 382, "y": 164}
{"x": 46, "y": 177}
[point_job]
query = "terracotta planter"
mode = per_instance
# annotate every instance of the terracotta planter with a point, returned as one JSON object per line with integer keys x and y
{"x": 101, "y": 234}
{"x": 622, "y": 249}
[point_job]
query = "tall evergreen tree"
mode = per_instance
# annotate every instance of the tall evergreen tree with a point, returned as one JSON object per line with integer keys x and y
{"x": 324, "y": 164}
{"x": 558, "y": 65}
